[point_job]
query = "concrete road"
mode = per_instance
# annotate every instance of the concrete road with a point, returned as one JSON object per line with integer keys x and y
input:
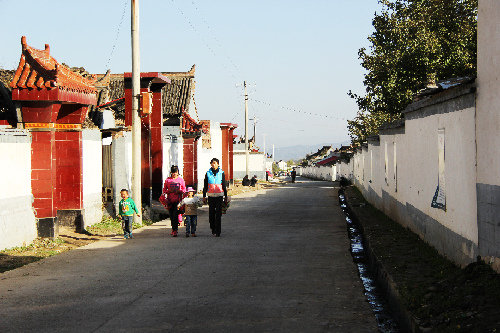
{"x": 282, "y": 264}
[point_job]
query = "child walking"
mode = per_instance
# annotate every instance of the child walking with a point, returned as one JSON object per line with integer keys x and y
{"x": 191, "y": 202}
{"x": 127, "y": 208}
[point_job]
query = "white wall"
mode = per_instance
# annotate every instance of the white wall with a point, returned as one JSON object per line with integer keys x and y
{"x": 398, "y": 174}
{"x": 257, "y": 165}
{"x": 345, "y": 169}
{"x": 269, "y": 164}
{"x": 92, "y": 176}
{"x": 419, "y": 170}
{"x": 488, "y": 99}
{"x": 320, "y": 172}
{"x": 173, "y": 152}
{"x": 206, "y": 154}
{"x": 487, "y": 129}
{"x": 122, "y": 165}
{"x": 17, "y": 219}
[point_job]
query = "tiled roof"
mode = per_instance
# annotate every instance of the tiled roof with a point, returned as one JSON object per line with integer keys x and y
{"x": 320, "y": 152}
{"x": 328, "y": 161}
{"x": 6, "y": 77}
{"x": 176, "y": 95}
{"x": 39, "y": 70}
{"x": 7, "y": 111}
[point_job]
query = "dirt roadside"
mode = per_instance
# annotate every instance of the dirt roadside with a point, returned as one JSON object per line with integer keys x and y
{"x": 438, "y": 295}
{"x": 68, "y": 239}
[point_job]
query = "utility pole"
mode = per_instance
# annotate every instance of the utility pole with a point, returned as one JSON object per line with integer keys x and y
{"x": 273, "y": 152}
{"x": 265, "y": 154}
{"x": 254, "y": 130}
{"x": 246, "y": 128}
{"x": 136, "y": 120}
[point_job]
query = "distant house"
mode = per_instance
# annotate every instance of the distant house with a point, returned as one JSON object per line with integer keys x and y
{"x": 282, "y": 165}
{"x": 322, "y": 153}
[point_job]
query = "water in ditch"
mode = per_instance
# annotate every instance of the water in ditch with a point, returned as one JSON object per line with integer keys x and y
{"x": 386, "y": 323}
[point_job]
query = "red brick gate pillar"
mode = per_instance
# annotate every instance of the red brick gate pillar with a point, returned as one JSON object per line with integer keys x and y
{"x": 157, "y": 141}
{"x": 54, "y": 102}
{"x": 151, "y": 126}
{"x": 227, "y": 149}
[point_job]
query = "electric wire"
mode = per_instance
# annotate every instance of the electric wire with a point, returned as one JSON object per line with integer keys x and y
{"x": 125, "y": 3}
{"x": 287, "y": 108}
{"x": 209, "y": 28}
{"x": 205, "y": 42}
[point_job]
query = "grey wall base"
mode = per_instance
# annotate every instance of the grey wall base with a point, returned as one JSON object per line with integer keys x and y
{"x": 47, "y": 227}
{"x": 240, "y": 174}
{"x": 488, "y": 219}
{"x": 71, "y": 218}
{"x": 448, "y": 243}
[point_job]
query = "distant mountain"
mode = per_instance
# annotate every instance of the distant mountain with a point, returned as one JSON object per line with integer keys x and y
{"x": 300, "y": 151}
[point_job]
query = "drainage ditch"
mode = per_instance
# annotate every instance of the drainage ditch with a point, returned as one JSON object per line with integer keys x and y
{"x": 385, "y": 320}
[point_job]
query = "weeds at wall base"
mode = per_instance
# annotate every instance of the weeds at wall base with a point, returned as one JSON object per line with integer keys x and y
{"x": 440, "y": 296}
{"x": 42, "y": 248}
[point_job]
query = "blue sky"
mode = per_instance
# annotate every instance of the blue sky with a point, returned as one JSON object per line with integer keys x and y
{"x": 298, "y": 57}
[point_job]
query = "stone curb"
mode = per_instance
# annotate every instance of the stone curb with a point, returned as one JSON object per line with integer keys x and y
{"x": 406, "y": 321}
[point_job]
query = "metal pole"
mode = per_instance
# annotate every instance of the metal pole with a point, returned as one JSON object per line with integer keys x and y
{"x": 136, "y": 120}
{"x": 264, "y": 136}
{"x": 246, "y": 128}
{"x": 273, "y": 152}
{"x": 254, "y": 131}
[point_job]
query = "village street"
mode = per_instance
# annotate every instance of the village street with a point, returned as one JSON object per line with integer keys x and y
{"x": 282, "y": 264}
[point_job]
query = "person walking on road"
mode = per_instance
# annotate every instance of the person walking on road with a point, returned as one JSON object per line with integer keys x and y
{"x": 191, "y": 204}
{"x": 293, "y": 174}
{"x": 215, "y": 188}
{"x": 173, "y": 190}
{"x": 126, "y": 209}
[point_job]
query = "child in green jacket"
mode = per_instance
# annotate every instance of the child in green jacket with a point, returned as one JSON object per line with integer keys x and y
{"x": 126, "y": 212}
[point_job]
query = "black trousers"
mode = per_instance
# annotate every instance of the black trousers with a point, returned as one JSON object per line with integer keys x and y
{"x": 174, "y": 217}
{"x": 215, "y": 213}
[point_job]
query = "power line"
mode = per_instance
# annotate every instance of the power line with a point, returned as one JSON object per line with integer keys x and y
{"x": 117, "y": 35}
{"x": 207, "y": 45}
{"x": 209, "y": 28}
{"x": 286, "y": 108}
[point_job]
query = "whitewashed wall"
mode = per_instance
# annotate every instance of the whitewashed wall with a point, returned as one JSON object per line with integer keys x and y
{"x": 257, "y": 165}
{"x": 320, "y": 172}
{"x": 206, "y": 154}
{"x": 487, "y": 129}
{"x": 92, "y": 176}
{"x": 419, "y": 172}
{"x": 173, "y": 152}
{"x": 397, "y": 172}
{"x": 345, "y": 169}
{"x": 399, "y": 175}
{"x": 121, "y": 149}
{"x": 17, "y": 219}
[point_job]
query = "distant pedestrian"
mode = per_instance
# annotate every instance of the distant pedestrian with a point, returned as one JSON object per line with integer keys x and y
{"x": 253, "y": 181}
{"x": 173, "y": 190}
{"x": 215, "y": 188}
{"x": 191, "y": 204}
{"x": 126, "y": 209}
{"x": 245, "y": 181}
{"x": 293, "y": 174}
